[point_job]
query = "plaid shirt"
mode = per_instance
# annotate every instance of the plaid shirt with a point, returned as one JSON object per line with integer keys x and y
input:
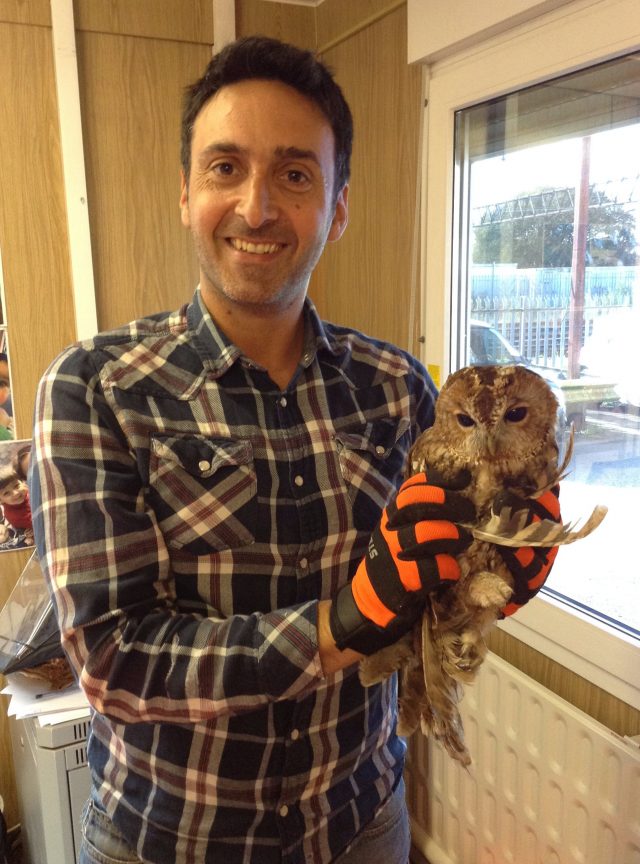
{"x": 188, "y": 516}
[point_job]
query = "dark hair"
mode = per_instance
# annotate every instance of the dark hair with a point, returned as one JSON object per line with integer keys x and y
{"x": 259, "y": 57}
{"x": 7, "y": 476}
{"x": 18, "y": 457}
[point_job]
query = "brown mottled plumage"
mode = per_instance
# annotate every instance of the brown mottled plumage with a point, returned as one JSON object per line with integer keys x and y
{"x": 498, "y": 422}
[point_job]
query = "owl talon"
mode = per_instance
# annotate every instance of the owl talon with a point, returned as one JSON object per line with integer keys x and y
{"x": 463, "y": 654}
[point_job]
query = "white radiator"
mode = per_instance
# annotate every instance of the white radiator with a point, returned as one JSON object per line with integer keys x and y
{"x": 548, "y": 784}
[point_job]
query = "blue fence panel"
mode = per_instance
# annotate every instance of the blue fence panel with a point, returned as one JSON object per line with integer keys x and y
{"x": 530, "y": 308}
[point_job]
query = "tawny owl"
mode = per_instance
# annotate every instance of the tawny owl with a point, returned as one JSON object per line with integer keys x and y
{"x": 499, "y": 423}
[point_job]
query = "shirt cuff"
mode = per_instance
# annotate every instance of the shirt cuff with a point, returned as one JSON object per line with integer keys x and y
{"x": 288, "y": 657}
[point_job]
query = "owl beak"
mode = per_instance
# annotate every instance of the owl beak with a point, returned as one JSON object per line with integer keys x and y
{"x": 490, "y": 443}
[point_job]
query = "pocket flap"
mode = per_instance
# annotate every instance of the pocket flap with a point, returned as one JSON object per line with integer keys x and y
{"x": 378, "y": 438}
{"x": 199, "y": 456}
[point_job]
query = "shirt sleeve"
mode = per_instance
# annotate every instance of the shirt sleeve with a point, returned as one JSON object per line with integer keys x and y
{"x": 138, "y": 657}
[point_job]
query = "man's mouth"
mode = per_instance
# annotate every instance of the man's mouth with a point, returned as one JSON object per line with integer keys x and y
{"x": 254, "y": 248}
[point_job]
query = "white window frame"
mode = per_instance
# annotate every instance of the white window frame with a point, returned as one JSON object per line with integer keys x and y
{"x": 573, "y": 37}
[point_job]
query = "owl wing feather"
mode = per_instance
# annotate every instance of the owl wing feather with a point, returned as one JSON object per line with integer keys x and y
{"x": 509, "y": 528}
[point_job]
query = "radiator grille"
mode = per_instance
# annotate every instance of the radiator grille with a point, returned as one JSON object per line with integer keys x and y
{"x": 548, "y": 784}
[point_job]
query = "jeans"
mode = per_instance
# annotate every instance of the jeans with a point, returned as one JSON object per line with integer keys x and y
{"x": 386, "y": 840}
{"x": 102, "y": 843}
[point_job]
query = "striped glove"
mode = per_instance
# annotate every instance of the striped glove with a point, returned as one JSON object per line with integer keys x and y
{"x": 530, "y": 565}
{"x": 411, "y": 552}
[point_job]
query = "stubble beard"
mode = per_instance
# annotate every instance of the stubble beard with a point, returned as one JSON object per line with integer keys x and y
{"x": 259, "y": 292}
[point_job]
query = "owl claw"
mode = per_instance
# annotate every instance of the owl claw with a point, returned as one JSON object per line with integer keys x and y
{"x": 464, "y": 653}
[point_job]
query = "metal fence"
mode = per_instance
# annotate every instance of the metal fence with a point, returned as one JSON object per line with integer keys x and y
{"x": 530, "y": 308}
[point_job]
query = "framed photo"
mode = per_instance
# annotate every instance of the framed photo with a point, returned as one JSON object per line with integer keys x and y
{"x": 16, "y": 528}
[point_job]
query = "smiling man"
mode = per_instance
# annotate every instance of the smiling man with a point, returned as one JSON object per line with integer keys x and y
{"x": 215, "y": 511}
{"x": 261, "y": 203}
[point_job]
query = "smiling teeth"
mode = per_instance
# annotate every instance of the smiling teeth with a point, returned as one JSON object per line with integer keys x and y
{"x": 255, "y": 248}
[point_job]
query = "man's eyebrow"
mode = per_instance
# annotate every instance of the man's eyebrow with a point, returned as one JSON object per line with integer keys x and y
{"x": 231, "y": 149}
{"x": 225, "y": 147}
{"x": 297, "y": 153}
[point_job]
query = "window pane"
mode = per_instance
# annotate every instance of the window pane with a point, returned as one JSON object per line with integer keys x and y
{"x": 548, "y": 208}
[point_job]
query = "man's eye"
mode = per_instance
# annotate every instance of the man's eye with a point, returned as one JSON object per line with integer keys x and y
{"x": 296, "y": 177}
{"x": 465, "y": 420}
{"x": 224, "y": 169}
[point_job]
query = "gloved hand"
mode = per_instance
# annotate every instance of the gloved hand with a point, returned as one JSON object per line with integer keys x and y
{"x": 530, "y": 565}
{"x": 411, "y": 553}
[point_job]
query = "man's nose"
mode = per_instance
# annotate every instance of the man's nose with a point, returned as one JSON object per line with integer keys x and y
{"x": 256, "y": 204}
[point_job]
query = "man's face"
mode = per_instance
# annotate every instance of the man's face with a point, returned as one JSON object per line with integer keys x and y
{"x": 260, "y": 198}
{"x": 13, "y": 493}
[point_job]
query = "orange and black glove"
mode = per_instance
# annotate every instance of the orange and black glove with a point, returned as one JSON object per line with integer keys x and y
{"x": 411, "y": 552}
{"x": 530, "y": 565}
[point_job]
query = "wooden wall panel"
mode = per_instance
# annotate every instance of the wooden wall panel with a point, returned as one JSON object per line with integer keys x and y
{"x": 26, "y": 12}
{"x": 335, "y": 17}
{"x": 33, "y": 240}
{"x": 159, "y": 19}
{"x": 295, "y": 24}
{"x": 131, "y": 97}
{"x": 33, "y": 232}
{"x": 364, "y": 280}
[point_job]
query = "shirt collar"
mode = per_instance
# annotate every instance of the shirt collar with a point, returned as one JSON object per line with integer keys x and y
{"x": 218, "y": 353}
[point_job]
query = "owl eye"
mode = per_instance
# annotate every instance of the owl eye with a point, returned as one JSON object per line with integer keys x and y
{"x": 465, "y": 420}
{"x": 515, "y": 415}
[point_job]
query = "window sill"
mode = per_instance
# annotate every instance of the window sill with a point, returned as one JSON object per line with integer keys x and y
{"x": 600, "y": 653}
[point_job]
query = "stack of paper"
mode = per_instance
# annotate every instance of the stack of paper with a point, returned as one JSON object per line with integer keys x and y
{"x": 31, "y": 697}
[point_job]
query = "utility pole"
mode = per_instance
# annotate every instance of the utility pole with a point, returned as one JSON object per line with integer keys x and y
{"x": 579, "y": 254}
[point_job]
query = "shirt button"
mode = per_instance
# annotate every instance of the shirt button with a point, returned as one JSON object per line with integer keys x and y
{"x": 203, "y": 465}
{"x": 284, "y": 810}
{"x": 380, "y": 450}
{"x": 283, "y": 401}
{"x": 303, "y": 563}
{"x": 298, "y": 480}
{"x": 295, "y": 734}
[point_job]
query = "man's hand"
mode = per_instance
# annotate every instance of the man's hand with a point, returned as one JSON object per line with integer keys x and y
{"x": 530, "y": 565}
{"x": 411, "y": 552}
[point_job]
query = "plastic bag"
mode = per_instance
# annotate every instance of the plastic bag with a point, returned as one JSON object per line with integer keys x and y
{"x": 29, "y": 633}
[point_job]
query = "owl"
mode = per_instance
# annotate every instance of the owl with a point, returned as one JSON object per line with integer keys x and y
{"x": 498, "y": 423}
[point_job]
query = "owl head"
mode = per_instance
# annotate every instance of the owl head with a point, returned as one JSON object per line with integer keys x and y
{"x": 497, "y": 412}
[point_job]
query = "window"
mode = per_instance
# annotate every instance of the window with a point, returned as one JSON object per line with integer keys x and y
{"x": 548, "y": 276}
{"x": 522, "y": 136}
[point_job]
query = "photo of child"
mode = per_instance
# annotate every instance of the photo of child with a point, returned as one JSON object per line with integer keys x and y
{"x": 16, "y": 528}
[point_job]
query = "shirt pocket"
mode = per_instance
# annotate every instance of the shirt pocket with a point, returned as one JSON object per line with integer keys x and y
{"x": 203, "y": 492}
{"x": 373, "y": 461}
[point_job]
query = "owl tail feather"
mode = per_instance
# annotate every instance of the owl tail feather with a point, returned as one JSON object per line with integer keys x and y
{"x": 508, "y": 528}
{"x": 440, "y": 716}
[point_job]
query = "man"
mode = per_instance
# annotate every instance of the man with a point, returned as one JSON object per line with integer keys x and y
{"x": 208, "y": 492}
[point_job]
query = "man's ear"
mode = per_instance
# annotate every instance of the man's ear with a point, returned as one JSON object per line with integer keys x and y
{"x": 340, "y": 215}
{"x": 184, "y": 200}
